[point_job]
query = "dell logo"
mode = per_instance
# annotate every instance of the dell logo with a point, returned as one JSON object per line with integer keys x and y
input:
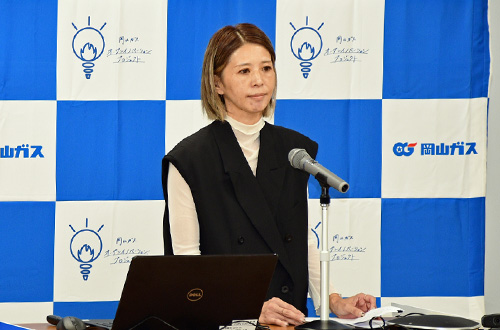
{"x": 195, "y": 294}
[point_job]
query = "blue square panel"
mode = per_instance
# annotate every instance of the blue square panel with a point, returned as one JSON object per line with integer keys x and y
{"x": 432, "y": 247}
{"x": 429, "y": 54}
{"x": 27, "y": 251}
{"x": 28, "y": 32}
{"x": 191, "y": 24}
{"x": 110, "y": 150}
{"x": 87, "y": 310}
{"x": 349, "y": 134}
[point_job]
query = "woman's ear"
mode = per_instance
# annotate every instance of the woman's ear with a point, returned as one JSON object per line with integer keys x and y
{"x": 219, "y": 87}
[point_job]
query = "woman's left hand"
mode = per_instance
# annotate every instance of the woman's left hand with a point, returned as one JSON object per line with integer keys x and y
{"x": 352, "y": 307}
{"x": 276, "y": 311}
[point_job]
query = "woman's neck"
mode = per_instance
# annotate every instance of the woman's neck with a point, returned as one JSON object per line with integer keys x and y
{"x": 246, "y": 128}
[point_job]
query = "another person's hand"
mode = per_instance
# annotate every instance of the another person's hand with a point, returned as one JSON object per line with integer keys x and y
{"x": 276, "y": 311}
{"x": 352, "y": 307}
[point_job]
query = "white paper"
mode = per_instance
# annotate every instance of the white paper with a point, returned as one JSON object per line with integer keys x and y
{"x": 370, "y": 315}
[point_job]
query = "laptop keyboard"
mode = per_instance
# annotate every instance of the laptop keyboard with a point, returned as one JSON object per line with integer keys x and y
{"x": 104, "y": 323}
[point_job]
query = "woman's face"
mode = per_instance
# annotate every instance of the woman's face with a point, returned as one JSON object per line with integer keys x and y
{"x": 247, "y": 83}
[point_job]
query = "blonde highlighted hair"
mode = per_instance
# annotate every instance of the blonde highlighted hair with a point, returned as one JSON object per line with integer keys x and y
{"x": 220, "y": 48}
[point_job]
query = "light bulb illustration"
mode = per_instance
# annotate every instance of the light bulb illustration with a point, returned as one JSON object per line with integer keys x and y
{"x": 88, "y": 46}
{"x": 85, "y": 247}
{"x": 306, "y": 45}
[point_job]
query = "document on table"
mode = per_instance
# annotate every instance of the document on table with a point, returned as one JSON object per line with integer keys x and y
{"x": 240, "y": 325}
{"x": 363, "y": 322}
{"x": 360, "y": 322}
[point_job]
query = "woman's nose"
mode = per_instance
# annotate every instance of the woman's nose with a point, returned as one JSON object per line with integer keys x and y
{"x": 257, "y": 78}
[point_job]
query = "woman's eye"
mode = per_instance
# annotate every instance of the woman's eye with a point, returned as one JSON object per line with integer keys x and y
{"x": 268, "y": 68}
{"x": 244, "y": 71}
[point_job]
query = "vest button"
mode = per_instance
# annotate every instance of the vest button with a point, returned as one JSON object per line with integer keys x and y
{"x": 241, "y": 240}
{"x": 285, "y": 289}
{"x": 288, "y": 238}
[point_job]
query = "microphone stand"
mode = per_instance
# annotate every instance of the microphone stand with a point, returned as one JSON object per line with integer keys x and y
{"x": 324, "y": 323}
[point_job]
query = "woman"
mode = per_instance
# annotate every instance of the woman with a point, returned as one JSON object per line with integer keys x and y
{"x": 229, "y": 188}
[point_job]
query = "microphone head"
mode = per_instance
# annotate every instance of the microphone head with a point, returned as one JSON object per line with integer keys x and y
{"x": 295, "y": 156}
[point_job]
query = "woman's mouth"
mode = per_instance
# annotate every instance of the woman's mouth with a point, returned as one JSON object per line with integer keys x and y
{"x": 257, "y": 96}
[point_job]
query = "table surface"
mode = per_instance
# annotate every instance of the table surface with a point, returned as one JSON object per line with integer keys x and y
{"x": 47, "y": 326}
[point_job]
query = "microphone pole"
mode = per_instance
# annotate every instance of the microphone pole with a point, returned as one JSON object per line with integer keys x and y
{"x": 324, "y": 256}
{"x": 324, "y": 323}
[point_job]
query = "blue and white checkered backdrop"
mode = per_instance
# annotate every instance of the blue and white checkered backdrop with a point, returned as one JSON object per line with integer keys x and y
{"x": 94, "y": 93}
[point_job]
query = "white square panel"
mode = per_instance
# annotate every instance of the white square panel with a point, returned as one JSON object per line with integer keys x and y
{"x": 434, "y": 148}
{"x": 183, "y": 118}
{"x": 27, "y": 312}
{"x": 95, "y": 242}
{"x": 28, "y": 150}
{"x": 111, "y": 50}
{"x": 330, "y": 49}
{"x": 354, "y": 243}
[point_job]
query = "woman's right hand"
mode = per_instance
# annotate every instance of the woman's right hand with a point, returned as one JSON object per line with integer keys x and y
{"x": 277, "y": 312}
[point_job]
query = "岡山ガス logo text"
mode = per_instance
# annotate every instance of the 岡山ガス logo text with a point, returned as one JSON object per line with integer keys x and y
{"x": 436, "y": 149}
{"x": 21, "y": 151}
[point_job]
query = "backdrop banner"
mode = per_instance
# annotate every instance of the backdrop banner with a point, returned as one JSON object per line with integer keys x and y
{"x": 93, "y": 94}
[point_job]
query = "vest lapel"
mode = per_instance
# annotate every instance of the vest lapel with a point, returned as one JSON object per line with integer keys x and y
{"x": 248, "y": 189}
{"x": 271, "y": 167}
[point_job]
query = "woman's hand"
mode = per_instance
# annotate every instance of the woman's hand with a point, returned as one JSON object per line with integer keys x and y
{"x": 352, "y": 307}
{"x": 276, "y": 311}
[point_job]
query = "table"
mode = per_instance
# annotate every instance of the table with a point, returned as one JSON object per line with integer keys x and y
{"x": 47, "y": 326}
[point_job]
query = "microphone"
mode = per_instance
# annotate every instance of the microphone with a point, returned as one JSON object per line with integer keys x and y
{"x": 300, "y": 159}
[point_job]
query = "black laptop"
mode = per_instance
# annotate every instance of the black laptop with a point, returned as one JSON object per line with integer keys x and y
{"x": 191, "y": 292}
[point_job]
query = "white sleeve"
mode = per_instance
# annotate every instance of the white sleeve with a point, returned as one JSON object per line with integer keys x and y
{"x": 314, "y": 265}
{"x": 184, "y": 227}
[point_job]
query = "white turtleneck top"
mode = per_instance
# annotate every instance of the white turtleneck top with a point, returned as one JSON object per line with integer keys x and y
{"x": 184, "y": 226}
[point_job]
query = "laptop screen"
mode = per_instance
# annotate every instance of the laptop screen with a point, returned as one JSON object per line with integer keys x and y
{"x": 193, "y": 292}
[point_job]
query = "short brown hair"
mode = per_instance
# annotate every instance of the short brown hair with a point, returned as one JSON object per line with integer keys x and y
{"x": 220, "y": 48}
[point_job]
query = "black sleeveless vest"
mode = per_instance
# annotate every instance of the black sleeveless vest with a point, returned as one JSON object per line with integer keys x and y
{"x": 239, "y": 213}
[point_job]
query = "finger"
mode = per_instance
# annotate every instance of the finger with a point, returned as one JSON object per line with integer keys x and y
{"x": 352, "y": 311}
{"x": 293, "y": 311}
{"x": 293, "y": 317}
{"x": 276, "y": 309}
{"x": 289, "y": 311}
{"x": 285, "y": 305}
{"x": 273, "y": 320}
{"x": 367, "y": 303}
{"x": 279, "y": 318}
{"x": 362, "y": 302}
{"x": 372, "y": 301}
{"x": 281, "y": 323}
